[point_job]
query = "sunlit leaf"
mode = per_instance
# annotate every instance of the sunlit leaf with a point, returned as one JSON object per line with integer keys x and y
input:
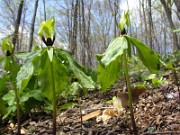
{"x": 149, "y": 58}
{"x": 10, "y": 97}
{"x": 125, "y": 20}
{"x": 47, "y": 28}
{"x": 114, "y": 50}
{"x": 85, "y": 80}
{"x": 7, "y": 45}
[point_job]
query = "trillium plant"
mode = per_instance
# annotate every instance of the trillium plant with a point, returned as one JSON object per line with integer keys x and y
{"x": 11, "y": 67}
{"x": 118, "y": 51}
{"x": 53, "y": 68}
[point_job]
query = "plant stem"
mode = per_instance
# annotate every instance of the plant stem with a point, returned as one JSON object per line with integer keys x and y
{"x": 13, "y": 80}
{"x": 129, "y": 93}
{"x": 80, "y": 109}
{"x": 17, "y": 107}
{"x": 54, "y": 99}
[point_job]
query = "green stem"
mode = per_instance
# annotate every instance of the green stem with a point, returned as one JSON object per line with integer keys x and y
{"x": 18, "y": 108}
{"x": 13, "y": 80}
{"x": 54, "y": 99}
{"x": 80, "y": 109}
{"x": 129, "y": 93}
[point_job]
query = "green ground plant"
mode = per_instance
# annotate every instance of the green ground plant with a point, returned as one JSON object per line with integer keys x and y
{"x": 11, "y": 67}
{"x": 118, "y": 51}
{"x": 53, "y": 67}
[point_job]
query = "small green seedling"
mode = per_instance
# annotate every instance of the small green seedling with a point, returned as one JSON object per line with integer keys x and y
{"x": 118, "y": 50}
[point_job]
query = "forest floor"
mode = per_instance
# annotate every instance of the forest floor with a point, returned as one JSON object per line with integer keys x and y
{"x": 157, "y": 112}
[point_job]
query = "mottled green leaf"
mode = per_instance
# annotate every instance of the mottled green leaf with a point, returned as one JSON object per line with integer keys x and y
{"x": 24, "y": 75}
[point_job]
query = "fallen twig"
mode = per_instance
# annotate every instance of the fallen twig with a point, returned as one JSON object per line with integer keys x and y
{"x": 165, "y": 132}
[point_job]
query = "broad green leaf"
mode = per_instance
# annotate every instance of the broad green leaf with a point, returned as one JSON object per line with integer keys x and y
{"x": 36, "y": 94}
{"x": 29, "y": 56}
{"x": 24, "y": 75}
{"x": 114, "y": 50}
{"x": 3, "y": 108}
{"x": 75, "y": 88}
{"x": 10, "y": 97}
{"x": 60, "y": 76}
{"x": 85, "y": 80}
{"x": 149, "y": 58}
{"x": 10, "y": 109}
{"x": 109, "y": 74}
{"x": 47, "y": 28}
{"x": 7, "y": 45}
{"x": 151, "y": 76}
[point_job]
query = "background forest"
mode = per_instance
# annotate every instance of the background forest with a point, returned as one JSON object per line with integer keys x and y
{"x": 86, "y": 59}
{"x": 85, "y": 27}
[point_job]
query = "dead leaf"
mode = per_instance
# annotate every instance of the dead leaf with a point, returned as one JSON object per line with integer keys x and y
{"x": 90, "y": 116}
{"x": 110, "y": 112}
{"x": 106, "y": 116}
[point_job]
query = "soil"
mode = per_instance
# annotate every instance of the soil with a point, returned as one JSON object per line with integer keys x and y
{"x": 157, "y": 112}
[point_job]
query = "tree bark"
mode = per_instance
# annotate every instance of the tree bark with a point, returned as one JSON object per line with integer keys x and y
{"x": 83, "y": 34}
{"x": 16, "y": 30}
{"x": 88, "y": 37}
{"x": 32, "y": 25}
{"x": 177, "y": 3}
{"x": 44, "y": 4}
{"x": 74, "y": 32}
{"x": 145, "y": 21}
{"x": 172, "y": 26}
{"x": 150, "y": 24}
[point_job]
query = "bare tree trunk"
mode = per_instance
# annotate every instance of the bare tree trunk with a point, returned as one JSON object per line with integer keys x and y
{"x": 150, "y": 24}
{"x": 172, "y": 26}
{"x": 16, "y": 30}
{"x": 32, "y": 25}
{"x": 114, "y": 11}
{"x": 74, "y": 32}
{"x": 44, "y": 4}
{"x": 177, "y": 3}
{"x": 141, "y": 20}
{"x": 22, "y": 34}
{"x": 89, "y": 48}
{"x": 83, "y": 34}
{"x": 145, "y": 22}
